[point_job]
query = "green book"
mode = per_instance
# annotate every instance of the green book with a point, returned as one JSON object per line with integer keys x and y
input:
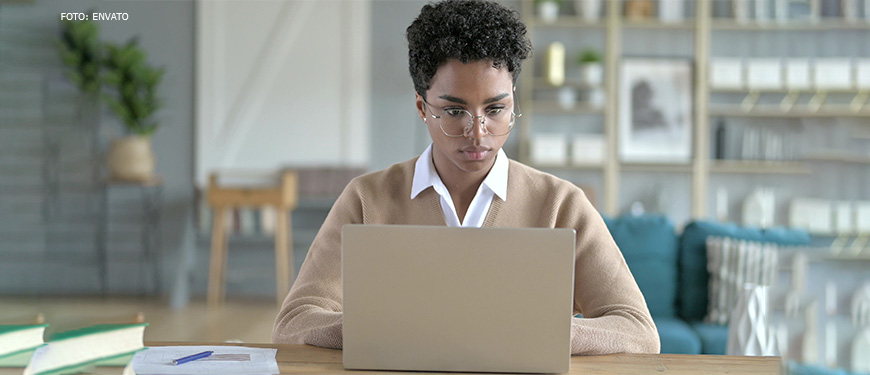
{"x": 118, "y": 364}
{"x": 18, "y": 359}
{"x": 15, "y": 339}
{"x": 78, "y": 350}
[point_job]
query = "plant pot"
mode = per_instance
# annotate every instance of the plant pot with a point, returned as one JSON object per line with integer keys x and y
{"x": 594, "y": 97}
{"x": 740, "y": 8}
{"x": 671, "y": 11}
{"x": 548, "y": 11}
{"x": 590, "y": 10}
{"x": 592, "y": 74}
{"x": 131, "y": 159}
{"x": 567, "y": 97}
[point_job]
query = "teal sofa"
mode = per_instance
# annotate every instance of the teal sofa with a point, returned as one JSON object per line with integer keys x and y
{"x": 671, "y": 271}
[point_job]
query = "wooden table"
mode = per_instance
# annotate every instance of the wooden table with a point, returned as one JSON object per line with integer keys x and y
{"x": 293, "y": 359}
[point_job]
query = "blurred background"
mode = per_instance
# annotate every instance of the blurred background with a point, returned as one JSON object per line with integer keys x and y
{"x": 115, "y": 114}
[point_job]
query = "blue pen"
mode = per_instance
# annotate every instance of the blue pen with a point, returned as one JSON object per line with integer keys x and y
{"x": 192, "y": 357}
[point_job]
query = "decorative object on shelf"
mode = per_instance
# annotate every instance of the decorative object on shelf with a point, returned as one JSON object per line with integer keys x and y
{"x": 671, "y": 11}
{"x": 830, "y": 343}
{"x": 764, "y": 74}
{"x": 591, "y": 68}
{"x": 813, "y": 215}
{"x": 862, "y": 217}
{"x": 720, "y": 140}
{"x": 655, "y": 115}
{"x": 133, "y": 99}
{"x": 567, "y": 97}
{"x": 780, "y": 8}
{"x": 722, "y": 204}
{"x": 832, "y": 74}
{"x": 849, "y": 10}
{"x": 740, "y": 8}
{"x": 549, "y": 149}
{"x": 797, "y": 284}
{"x": 592, "y": 75}
{"x": 761, "y": 10}
{"x": 130, "y": 158}
{"x": 831, "y": 298}
{"x": 587, "y": 149}
{"x": 862, "y": 72}
{"x": 594, "y": 97}
{"x": 797, "y": 74}
{"x": 548, "y": 10}
{"x": 590, "y": 10}
{"x": 732, "y": 262}
{"x": 726, "y": 73}
{"x": 638, "y": 10}
{"x": 860, "y": 313}
{"x": 554, "y": 67}
{"x": 843, "y": 217}
{"x": 759, "y": 208}
{"x": 748, "y": 332}
{"x": 751, "y": 144}
{"x": 810, "y": 342}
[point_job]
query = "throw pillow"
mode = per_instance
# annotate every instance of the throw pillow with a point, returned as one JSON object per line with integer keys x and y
{"x": 732, "y": 263}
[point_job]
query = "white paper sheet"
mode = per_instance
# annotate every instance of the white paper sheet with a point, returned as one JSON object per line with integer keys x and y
{"x": 225, "y": 360}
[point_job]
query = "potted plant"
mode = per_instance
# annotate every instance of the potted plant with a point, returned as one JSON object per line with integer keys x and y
{"x": 591, "y": 74}
{"x": 591, "y": 69}
{"x": 132, "y": 96}
{"x": 548, "y": 10}
{"x": 589, "y": 9}
{"x": 80, "y": 50}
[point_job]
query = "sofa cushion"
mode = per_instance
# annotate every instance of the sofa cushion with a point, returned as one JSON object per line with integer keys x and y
{"x": 714, "y": 337}
{"x": 677, "y": 337}
{"x": 693, "y": 276}
{"x": 649, "y": 245}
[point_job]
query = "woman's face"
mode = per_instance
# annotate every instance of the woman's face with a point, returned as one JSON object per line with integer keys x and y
{"x": 475, "y": 87}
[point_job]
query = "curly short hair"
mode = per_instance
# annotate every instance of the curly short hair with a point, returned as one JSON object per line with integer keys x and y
{"x": 466, "y": 30}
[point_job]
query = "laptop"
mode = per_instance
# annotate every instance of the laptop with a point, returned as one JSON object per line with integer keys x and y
{"x": 419, "y": 298}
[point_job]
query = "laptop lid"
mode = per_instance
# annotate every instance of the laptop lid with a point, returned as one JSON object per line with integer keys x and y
{"x": 457, "y": 299}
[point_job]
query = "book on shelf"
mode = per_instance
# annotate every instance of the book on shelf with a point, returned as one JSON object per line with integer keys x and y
{"x": 18, "y": 342}
{"x": 108, "y": 347}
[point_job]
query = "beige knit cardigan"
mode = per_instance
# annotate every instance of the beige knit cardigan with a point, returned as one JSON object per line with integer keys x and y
{"x": 615, "y": 315}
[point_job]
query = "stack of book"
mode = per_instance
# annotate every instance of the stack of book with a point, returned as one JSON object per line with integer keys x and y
{"x": 17, "y": 345}
{"x": 99, "y": 349}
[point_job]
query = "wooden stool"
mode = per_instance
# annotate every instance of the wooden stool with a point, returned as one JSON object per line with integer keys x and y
{"x": 283, "y": 199}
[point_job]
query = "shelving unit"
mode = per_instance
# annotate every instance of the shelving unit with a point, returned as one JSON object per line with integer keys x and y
{"x": 789, "y": 105}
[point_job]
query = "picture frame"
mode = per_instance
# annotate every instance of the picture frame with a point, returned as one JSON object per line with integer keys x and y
{"x": 655, "y": 112}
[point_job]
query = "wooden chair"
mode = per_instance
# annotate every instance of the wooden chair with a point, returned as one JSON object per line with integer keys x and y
{"x": 283, "y": 198}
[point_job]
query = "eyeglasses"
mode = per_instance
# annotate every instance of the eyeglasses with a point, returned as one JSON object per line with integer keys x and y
{"x": 457, "y": 122}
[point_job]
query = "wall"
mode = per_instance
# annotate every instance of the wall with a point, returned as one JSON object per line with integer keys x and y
{"x": 281, "y": 83}
{"x": 165, "y": 30}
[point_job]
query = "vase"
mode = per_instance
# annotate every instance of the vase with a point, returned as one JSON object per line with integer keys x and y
{"x": 131, "y": 159}
{"x": 567, "y": 97}
{"x": 548, "y": 11}
{"x": 555, "y": 64}
{"x": 748, "y": 332}
{"x": 671, "y": 11}
{"x": 740, "y": 9}
{"x": 592, "y": 74}
{"x": 849, "y": 8}
{"x": 590, "y": 10}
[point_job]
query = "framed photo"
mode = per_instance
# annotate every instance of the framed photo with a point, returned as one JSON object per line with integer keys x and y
{"x": 655, "y": 114}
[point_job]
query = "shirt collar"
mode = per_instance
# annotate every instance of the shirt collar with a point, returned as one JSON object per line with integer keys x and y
{"x": 426, "y": 176}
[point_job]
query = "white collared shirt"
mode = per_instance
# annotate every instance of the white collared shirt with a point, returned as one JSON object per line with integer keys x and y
{"x": 494, "y": 184}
